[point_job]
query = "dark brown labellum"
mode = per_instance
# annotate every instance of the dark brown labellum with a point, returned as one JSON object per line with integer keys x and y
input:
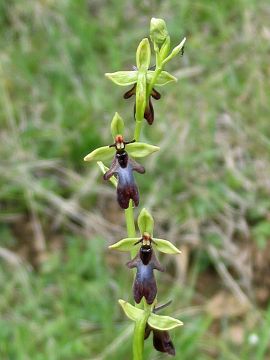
{"x": 145, "y": 282}
{"x": 123, "y": 167}
{"x": 162, "y": 342}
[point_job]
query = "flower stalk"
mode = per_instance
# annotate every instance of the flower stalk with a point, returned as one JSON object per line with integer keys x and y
{"x": 143, "y": 79}
{"x": 130, "y": 224}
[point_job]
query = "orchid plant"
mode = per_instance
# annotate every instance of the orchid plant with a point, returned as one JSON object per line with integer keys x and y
{"x": 143, "y": 80}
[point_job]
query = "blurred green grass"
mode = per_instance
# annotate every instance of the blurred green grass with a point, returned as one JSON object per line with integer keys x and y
{"x": 207, "y": 188}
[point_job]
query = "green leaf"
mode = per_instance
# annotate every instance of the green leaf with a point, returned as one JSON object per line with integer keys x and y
{"x": 163, "y": 322}
{"x": 158, "y": 31}
{"x": 145, "y": 222}
{"x": 175, "y": 51}
{"x": 123, "y": 78}
{"x": 143, "y": 55}
{"x": 104, "y": 168}
{"x": 131, "y": 311}
{"x": 138, "y": 149}
{"x": 100, "y": 154}
{"x": 117, "y": 125}
{"x": 165, "y": 246}
{"x": 126, "y": 244}
{"x": 163, "y": 79}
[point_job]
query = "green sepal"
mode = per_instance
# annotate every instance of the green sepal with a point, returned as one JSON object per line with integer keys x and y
{"x": 165, "y": 246}
{"x": 123, "y": 78}
{"x": 117, "y": 125}
{"x": 140, "y": 96}
{"x": 163, "y": 79}
{"x": 145, "y": 222}
{"x": 174, "y": 52}
{"x": 131, "y": 311}
{"x": 160, "y": 322}
{"x": 126, "y": 244}
{"x": 143, "y": 55}
{"x": 158, "y": 31}
{"x": 139, "y": 150}
{"x": 100, "y": 154}
{"x": 104, "y": 168}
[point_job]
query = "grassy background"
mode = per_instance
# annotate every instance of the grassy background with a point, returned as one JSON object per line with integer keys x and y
{"x": 208, "y": 188}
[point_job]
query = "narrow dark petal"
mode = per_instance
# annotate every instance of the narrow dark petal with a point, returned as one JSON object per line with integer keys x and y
{"x": 112, "y": 170}
{"x": 149, "y": 112}
{"x": 162, "y": 342}
{"x": 130, "y": 92}
{"x": 155, "y": 94}
{"x": 134, "y": 262}
{"x": 155, "y": 263}
{"x": 136, "y": 166}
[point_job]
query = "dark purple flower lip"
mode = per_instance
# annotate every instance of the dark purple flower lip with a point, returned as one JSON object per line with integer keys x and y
{"x": 145, "y": 283}
{"x": 162, "y": 342}
{"x": 122, "y": 166}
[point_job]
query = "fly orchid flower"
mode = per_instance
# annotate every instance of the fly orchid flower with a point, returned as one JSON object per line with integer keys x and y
{"x": 123, "y": 164}
{"x": 161, "y": 338}
{"x": 145, "y": 283}
{"x": 145, "y": 260}
{"x": 158, "y": 324}
{"x": 149, "y": 110}
{"x": 142, "y": 80}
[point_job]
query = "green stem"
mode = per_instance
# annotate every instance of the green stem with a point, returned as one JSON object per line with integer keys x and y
{"x": 130, "y": 221}
{"x": 138, "y": 128}
{"x": 139, "y": 328}
{"x": 138, "y": 337}
{"x": 153, "y": 81}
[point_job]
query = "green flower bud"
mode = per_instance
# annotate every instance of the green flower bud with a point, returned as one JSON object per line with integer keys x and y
{"x": 164, "y": 50}
{"x": 175, "y": 52}
{"x": 158, "y": 31}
